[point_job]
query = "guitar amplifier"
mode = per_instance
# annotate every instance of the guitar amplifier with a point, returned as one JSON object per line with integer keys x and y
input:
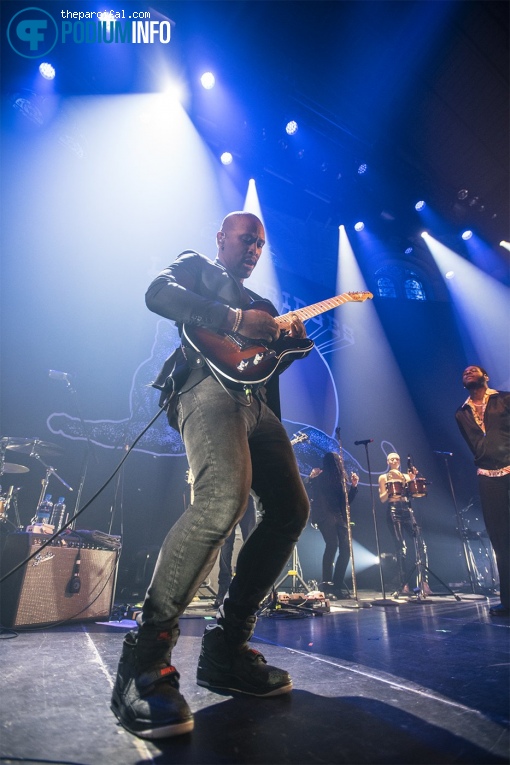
{"x": 63, "y": 583}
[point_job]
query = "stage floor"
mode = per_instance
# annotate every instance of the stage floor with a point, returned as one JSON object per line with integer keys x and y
{"x": 412, "y": 682}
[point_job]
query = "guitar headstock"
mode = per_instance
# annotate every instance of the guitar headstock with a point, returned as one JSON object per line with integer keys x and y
{"x": 359, "y": 297}
{"x": 298, "y": 438}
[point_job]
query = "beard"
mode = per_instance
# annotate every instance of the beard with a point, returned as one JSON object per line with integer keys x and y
{"x": 475, "y": 384}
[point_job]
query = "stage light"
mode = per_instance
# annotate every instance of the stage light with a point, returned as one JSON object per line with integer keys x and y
{"x": 362, "y": 168}
{"x": 47, "y": 71}
{"x": 226, "y": 158}
{"x": 504, "y": 244}
{"x": 174, "y": 92}
{"x": 359, "y": 226}
{"x": 467, "y": 235}
{"x": 408, "y": 250}
{"x": 424, "y": 234}
{"x": 419, "y": 205}
{"x": 480, "y": 302}
{"x": 291, "y": 127}
{"x": 363, "y": 558}
{"x": 449, "y": 275}
{"x": 462, "y": 194}
{"x": 107, "y": 18}
{"x": 207, "y": 80}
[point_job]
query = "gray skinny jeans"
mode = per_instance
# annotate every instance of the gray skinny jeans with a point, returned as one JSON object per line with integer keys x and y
{"x": 230, "y": 448}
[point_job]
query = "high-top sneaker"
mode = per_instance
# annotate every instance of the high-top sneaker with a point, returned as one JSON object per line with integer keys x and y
{"x": 146, "y": 696}
{"x": 228, "y": 665}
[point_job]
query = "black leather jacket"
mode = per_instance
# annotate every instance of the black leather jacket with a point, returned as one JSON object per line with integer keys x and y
{"x": 492, "y": 449}
{"x": 195, "y": 290}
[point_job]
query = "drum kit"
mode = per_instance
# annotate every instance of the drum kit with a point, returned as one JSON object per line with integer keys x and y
{"x": 400, "y": 489}
{"x": 36, "y": 449}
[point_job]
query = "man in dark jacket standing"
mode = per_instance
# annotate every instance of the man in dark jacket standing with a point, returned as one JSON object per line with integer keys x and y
{"x": 234, "y": 442}
{"x": 329, "y": 515}
{"x": 484, "y": 421}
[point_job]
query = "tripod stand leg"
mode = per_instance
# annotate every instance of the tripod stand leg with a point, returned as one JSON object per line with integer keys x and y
{"x": 421, "y": 556}
{"x": 457, "y": 597}
{"x": 419, "y": 568}
{"x": 421, "y": 588}
{"x": 295, "y": 574}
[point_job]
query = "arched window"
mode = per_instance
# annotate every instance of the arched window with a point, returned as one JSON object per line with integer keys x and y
{"x": 399, "y": 282}
{"x": 386, "y": 287}
{"x": 414, "y": 289}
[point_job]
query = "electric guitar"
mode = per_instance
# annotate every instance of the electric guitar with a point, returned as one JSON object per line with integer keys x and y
{"x": 241, "y": 360}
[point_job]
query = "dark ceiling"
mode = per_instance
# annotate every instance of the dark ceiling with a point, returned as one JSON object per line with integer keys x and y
{"x": 419, "y": 91}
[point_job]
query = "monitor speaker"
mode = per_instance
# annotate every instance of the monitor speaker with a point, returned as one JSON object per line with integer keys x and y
{"x": 59, "y": 584}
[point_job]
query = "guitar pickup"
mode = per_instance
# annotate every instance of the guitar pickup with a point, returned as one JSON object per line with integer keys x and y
{"x": 254, "y": 360}
{"x": 237, "y": 339}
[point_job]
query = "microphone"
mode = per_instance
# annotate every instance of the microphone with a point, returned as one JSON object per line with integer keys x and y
{"x": 74, "y": 584}
{"x": 364, "y": 442}
{"x": 54, "y": 374}
{"x": 447, "y": 454}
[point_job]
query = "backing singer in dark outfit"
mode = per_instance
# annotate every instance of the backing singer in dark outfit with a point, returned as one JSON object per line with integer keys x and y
{"x": 484, "y": 421}
{"x": 329, "y": 514}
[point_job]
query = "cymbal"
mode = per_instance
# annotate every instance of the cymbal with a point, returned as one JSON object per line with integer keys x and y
{"x": 31, "y": 446}
{"x": 7, "y": 440}
{"x": 10, "y": 467}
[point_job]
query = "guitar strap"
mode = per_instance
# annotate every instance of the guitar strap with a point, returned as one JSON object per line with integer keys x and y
{"x": 194, "y": 358}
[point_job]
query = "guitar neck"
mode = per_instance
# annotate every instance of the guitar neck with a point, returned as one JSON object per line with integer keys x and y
{"x": 310, "y": 311}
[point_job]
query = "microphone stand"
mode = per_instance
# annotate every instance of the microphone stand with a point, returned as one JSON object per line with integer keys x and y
{"x": 85, "y": 464}
{"x": 45, "y": 481}
{"x": 384, "y": 601}
{"x": 357, "y": 603}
